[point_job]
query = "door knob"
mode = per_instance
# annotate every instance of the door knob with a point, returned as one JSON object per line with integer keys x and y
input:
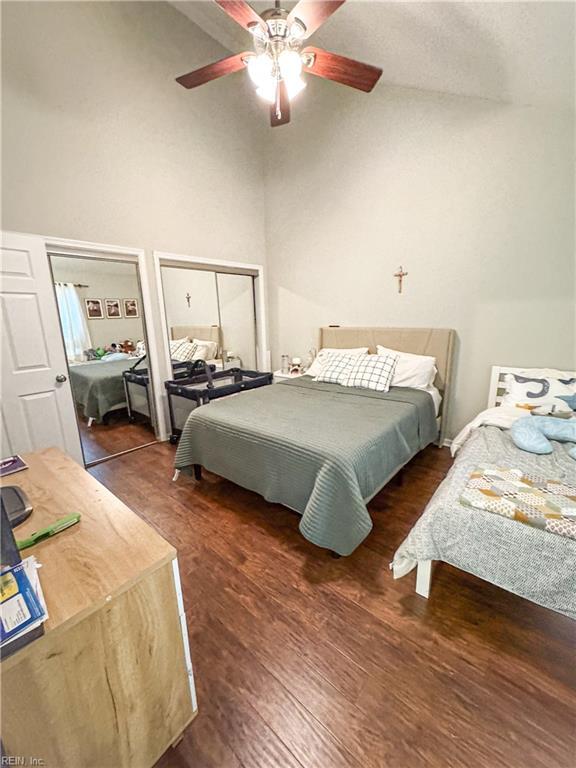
{"x": 61, "y": 378}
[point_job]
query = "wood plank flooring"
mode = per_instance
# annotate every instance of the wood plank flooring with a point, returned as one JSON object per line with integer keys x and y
{"x": 303, "y": 661}
{"x": 117, "y": 435}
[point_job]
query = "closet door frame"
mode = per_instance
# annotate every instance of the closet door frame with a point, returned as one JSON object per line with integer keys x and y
{"x": 166, "y": 259}
{"x": 58, "y": 246}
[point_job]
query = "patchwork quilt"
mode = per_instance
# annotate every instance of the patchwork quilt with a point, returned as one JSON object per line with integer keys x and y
{"x": 546, "y": 504}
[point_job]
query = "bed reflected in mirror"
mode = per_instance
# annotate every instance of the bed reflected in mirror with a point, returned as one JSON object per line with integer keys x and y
{"x": 103, "y": 332}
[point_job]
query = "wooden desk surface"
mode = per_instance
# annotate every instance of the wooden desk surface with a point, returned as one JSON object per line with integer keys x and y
{"x": 94, "y": 560}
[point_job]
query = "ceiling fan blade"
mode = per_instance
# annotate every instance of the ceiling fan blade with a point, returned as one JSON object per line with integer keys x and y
{"x": 280, "y": 111}
{"x": 212, "y": 71}
{"x": 314, "y": 13}
{"x": 342, "y": 70}
{"x": 241, "y": 12}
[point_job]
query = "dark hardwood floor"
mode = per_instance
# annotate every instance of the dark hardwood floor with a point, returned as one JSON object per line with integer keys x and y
{"x": 304, "y": 661}
{"x": 117, "y": 435}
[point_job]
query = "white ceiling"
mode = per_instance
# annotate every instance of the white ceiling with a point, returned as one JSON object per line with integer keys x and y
{"x": 516, "y": 52}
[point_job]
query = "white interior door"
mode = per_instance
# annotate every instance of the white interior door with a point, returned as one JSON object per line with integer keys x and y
{"x": 37, "y": 408}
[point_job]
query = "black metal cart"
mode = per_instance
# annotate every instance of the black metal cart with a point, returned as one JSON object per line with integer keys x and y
{"x": 137, "y": 384}
{"x": 184, "y": 395}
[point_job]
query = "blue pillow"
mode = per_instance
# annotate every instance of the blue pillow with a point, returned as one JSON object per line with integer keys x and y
{"x": 533, "y": 433}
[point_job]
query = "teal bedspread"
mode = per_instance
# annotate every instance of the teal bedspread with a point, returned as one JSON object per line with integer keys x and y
{"x": 321, "y": 449}
{"x": 98, "y": 387}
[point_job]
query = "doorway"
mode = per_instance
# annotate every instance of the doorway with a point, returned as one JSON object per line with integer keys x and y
{"x": 103, "y": 328}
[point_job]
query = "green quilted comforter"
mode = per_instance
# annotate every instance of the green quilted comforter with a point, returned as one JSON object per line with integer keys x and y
{"x": 321, "y": 449}
{"x": 98, "y": 386}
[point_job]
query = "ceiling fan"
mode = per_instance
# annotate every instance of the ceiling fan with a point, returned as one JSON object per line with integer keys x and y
{"x": 276, "y": 64}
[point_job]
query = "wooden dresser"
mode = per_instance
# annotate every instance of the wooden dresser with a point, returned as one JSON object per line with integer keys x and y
{"x": 110, "y": 684}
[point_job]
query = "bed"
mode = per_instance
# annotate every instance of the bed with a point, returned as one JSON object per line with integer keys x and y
{"x": 320, "y": 449}
{"x": 98, "y": 387}
{"x": 529, "y": 562}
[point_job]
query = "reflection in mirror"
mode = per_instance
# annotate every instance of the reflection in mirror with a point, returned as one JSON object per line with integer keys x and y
{"x": 191, "y": 305}
{"x": 237, "y": 318}
{"x": 213, "y": 312}
{"x": 101, "y": 318}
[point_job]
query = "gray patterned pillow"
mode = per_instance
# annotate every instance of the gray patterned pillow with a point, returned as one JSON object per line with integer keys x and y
{"x": 335, "y": 368}
{"x": 183, "y": 350}
{"x": 372, "y": 372}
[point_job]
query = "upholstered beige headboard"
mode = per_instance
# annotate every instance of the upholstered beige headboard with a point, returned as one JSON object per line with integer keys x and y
{"x": 436, "y": 342}
{"x": 204, "y": 332}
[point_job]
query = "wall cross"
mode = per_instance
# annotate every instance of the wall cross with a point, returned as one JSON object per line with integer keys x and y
{"x": 400, "y": 275}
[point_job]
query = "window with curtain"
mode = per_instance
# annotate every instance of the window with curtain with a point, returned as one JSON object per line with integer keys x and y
{"x": 74, "y": 326}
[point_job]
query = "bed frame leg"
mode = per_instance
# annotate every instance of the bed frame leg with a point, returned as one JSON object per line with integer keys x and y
{"x": 423, "y": 578}
{"x": 197, "y": 472}
{"x": 176, "y": 475}
{"x": 90, "y": 421}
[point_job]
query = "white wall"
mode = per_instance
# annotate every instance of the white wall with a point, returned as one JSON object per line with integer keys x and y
{"x": 475, "y": 199}
{"x": 101, "y": 144}
{"x": 105, "y": 280}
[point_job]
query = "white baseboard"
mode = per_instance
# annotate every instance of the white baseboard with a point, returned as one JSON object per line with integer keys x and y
{"x": 447, "y": 443}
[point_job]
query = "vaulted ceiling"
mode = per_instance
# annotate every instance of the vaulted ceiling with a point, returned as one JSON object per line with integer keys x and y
{"x": 521, "y": 53}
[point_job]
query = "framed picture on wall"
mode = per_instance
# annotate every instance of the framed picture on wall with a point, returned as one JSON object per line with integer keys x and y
{"x": 131, "y": 308}
{"x": 113, "y": 310}
{"x": 94, "y": 309}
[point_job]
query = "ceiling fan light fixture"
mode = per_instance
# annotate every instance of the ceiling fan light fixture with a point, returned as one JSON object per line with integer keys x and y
{"x": 297, "y": 29}
{"x": 267, "y": 90}
{"x": 260, "y": 69}
{"x": 290, "y": 64}
{"x": 294, "y": 85}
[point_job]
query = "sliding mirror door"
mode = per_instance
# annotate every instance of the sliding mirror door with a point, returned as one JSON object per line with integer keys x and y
{"x": 191, "y": 306}
{"x": 210, "y": 316}
{"x": 103, "y": 330}
{"x": 237, "y": 318}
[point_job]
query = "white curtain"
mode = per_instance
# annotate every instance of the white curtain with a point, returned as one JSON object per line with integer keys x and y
{"x": 73, "y": 321}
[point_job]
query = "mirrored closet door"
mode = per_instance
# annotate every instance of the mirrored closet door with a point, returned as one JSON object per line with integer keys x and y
{"x": 103, "y": 331}
{"x": 210, "y": 316}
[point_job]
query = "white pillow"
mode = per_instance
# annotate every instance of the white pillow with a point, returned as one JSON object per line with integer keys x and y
{"x": 183, "y": 350}
{"x": 207, "y": 350}
{"x": 416, "y": 371}
{"x": 372, "y": 372}
{"x": 529, "y": 391}
{"x": 336, "y": 367}
{"x": 320, "y": 359}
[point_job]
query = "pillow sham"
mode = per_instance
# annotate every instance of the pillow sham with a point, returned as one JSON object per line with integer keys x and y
{"x": 528, "y": 391}
{"x": 416, "y": 371}
{"x": 207, "y": 350}
{"x": 183, "y": 350}
{"x": 335, "y": 368}
{"x": 320, "y": 359}
{"x": 372, "y": 372}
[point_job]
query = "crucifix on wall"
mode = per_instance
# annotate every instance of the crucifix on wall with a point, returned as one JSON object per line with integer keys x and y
{"x": 188, "y": 297}
{"x": 400, "y": 275}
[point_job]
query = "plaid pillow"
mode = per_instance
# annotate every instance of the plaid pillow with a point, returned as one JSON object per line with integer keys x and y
{"x": 372, "y": 372}
{"x": 183, "y": 350}
{"x": 335, "y": 368}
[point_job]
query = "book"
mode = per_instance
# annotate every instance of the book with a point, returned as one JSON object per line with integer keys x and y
{"x": 22, "y": 604}
{"x": 12, "y": 464}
